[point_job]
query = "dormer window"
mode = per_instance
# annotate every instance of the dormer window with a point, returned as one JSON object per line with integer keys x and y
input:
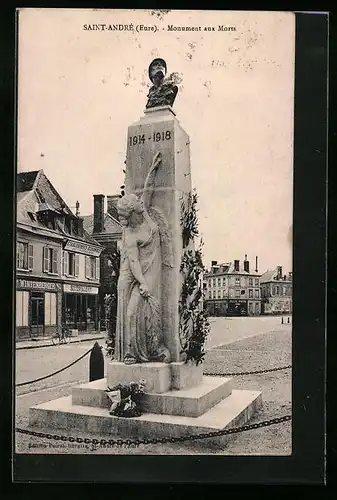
{"x": 32, "y": 216}
{"x": 67, "y": 225}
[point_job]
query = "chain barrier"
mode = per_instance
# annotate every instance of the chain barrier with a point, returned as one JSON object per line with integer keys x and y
{"x": 164, "y": 440}
{"x": 54, "y": 373}
{"x": 247, "y": 373}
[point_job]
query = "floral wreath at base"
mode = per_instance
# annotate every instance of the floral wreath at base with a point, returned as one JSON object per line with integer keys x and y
{"x": 128, "y": 404}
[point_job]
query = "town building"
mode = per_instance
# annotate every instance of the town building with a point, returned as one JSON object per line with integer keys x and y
{"x": 276, "y": 292}
{"x": 57, "y": 262}
{"x": 105, "y": 227}
{"x": 232, "y": 289}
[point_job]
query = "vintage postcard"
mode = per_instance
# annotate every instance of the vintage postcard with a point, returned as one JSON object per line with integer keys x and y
{"x": 154, "y": 231}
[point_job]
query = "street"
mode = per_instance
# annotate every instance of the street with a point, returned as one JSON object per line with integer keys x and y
{"x": 226, "y": 330}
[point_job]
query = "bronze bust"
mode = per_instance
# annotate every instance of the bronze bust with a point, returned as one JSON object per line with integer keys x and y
{"x": 162, "y": 93}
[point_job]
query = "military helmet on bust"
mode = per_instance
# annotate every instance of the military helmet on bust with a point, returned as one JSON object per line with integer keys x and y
{"x": 161, "y": 67}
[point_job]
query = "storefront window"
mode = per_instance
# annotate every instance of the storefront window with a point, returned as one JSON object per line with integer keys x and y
{"x": 21, "y": 316}
{"x": 50, "y": 308}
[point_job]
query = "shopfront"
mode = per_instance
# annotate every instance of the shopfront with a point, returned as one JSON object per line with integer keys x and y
{"x": 37, "y": 306}
{"x": 237, "y": 308}
{"x": 80, "y": 307}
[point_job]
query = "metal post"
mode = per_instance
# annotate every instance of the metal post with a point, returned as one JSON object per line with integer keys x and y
{"x": 288, "y": 320}
{"x": 96, "y": 363}
{"x": 282, "y": 320}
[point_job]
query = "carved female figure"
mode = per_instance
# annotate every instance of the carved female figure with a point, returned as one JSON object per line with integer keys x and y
{"x": 145, "y": 248}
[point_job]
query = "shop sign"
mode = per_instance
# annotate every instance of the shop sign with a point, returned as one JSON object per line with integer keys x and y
{"x": 73, "y": 288}
{"x": 82, "y": 247}
{"x": 38, "y": 285}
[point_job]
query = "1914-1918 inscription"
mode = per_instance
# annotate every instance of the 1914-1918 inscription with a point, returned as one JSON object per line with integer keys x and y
{"x": 135, "y": 140}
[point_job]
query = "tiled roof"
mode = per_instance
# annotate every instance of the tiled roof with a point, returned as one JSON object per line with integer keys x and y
{"x": 37, "y": 193}
{"x": 228, "y": 268}
{"x": 111, "y": 225}
{"x": 25, "y": 180}
{"x": 268, "y": 275}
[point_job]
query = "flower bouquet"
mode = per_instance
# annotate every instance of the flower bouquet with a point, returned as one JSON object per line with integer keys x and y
{"x": 129, "y": 402}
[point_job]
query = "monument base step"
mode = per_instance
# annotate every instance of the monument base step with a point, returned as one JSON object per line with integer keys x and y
{"x": 191, "y": 402}
{"x": 61, "y": 414}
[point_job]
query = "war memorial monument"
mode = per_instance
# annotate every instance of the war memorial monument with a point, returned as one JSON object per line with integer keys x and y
{"x": 155, "y": 387}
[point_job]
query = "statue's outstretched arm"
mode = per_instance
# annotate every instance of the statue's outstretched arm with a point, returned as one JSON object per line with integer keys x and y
{"x": 149, "y": 181}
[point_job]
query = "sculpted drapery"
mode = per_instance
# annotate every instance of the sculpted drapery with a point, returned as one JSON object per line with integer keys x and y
{"x": 146, "y": 247}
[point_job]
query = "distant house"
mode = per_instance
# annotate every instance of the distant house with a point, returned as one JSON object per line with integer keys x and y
{"x": 232, "y": 289}
{"x": 276, "y": 292}
{"x": 57, "y": 262}
{"x": 106, "y": 229}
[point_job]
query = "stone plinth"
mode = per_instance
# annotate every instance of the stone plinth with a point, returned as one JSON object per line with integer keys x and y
{"x": 62, "y": 414}
{"x": 191, "y": 402}
{"x": 157, "y": 375}
{"x": 160, "y": 131}
{"x": 160, "y": 377}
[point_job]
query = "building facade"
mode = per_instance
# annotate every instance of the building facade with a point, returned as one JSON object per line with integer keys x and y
{"x": 57, "y": 263}
{"x": 276, "y": 292}
{"x": 232, "y": 289}
{"x": 104, "y": 226}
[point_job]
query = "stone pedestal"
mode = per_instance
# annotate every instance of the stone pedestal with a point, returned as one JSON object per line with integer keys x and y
{"x": 160, "y": 131}
{"x": 159, "y": 377}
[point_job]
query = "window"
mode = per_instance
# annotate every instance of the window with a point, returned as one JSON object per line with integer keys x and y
{"x": 214, "y": 282}
{"x": 250, "y": 281}
{"x": 214, "y": 294}
{"x": 91, "y": 267}
{"x": 237, "y": 281}
{"x": 223, "y": 281}
{"x": 277, "y": 290}
{"x": 50, "y": 308}
{"x": 32, "y": 216}
{"x": 210, "y": 294}
{"x": 71, "y": 264}
{"x": 50, "y": 260}
{"x": 257, "y": 294}
{"x": 250, "y": 308}
{"x": 250, "y": 294}
{"x": 219, "y": 281}
{"x": 256, "y": 282}
{"x": 257, "y": 308}
{"x": 21, "y": 317}
{"x": 274, "y": 290}
{"x": 237, "y": 293}
{"x": 24, "y": 256}
{"x": 219, "y": 294}
{"x": 223, "y": 293}
{"x": 284, "y": 290}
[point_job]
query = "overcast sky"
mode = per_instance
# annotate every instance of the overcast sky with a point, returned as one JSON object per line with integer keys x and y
{"x": 80, "y": 89}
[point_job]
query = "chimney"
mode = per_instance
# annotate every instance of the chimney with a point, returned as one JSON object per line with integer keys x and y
{"x": 236, "y": 265}
{"x": 246, "y": 264}
{"x": 214, "y": 263}
{"x": 279, "y": 272}
{"x": 256, "y": 268}
{"x": 98, "y": 213}
{"x": 77, "y": 213}
{"x": 80, "y": 226}
{"x": 112, "y": 205}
